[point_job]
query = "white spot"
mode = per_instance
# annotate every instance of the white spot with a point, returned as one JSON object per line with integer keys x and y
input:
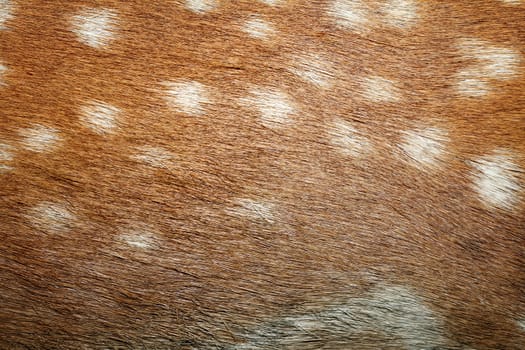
{"x": 424, "y": 147}
{"x": 5, "y": 168}
{"x": 188, "y": 97}
{"x": 394, "y": 311}
{"x": 99, "y": 116}
{"x": 495, "y": 61}
{"x": 6, "y": 156}
{"x": 378, "y": 89}
{"x": 348, "y": 140}
{"x": 52, "y": 217}
{"x": 496, "y": 180}
{"x": 271, "y": 2}
{"x": 305, "y": 323}
{"x": 139, "y": 236}
{"x": 274, "y": 106}
{"x": 257, "y": 28}
{"x": 155, "y": 156}
{"x": 489, "y": 63}
{"x": 95, "y": 27}
{"x": 401, "y": 312}
{"x": 39, "y": 138}
{"x": 201, "y": 6}
{"x": 472, "y": 85}
{"x": 254, "y": 210}
{"x": 3, "y": 69}
{"x": 359, "y": 16}
{"x": 521, "y": 324}
{"x": 512, "y": 2}
{"x": 500, "y": 63}
{"x": 5, "y": 153}
{"x": 6, "y": 12}
{"x": 349, "y": 14}
{"x": 400, "y": 13}
{"x": 313, "y": 69}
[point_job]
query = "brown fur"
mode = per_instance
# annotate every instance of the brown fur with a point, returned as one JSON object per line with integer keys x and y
{"x": 343, "y": 227}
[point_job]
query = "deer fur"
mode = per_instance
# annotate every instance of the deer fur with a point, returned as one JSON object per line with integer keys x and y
{"x": 256, "y": 175}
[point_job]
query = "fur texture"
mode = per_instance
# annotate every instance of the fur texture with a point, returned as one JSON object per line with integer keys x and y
{"x": 256, "y": 175}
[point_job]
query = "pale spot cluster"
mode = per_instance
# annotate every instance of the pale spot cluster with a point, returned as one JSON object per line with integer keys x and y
{"x": 52, "y": 217}
{"x": 258, "y": 28}
{"x": 39, "y": 138}
{"x": 253, "y": 210}
{"x": 6, "y": 12}
{"x": 349, "y": 141}
{"x": 495, "y": 177}
{"x": 274, "y": 106}
{"x": 490, "y": 63}
{"x": 424, "y": 147}
{"x": 99, "y": 116}
{"x": 188, "y": 97}
{"x": 496, "y": 180}
{"x": 95, "y": 27}
{"x": 361, "y": 16}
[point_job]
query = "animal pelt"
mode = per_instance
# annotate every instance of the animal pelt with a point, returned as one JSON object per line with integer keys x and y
{"x": 256, "y": 175}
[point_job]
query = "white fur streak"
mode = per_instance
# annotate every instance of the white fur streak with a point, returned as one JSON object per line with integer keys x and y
{"x": 401, "y": 312}
{"x": 154, "y": 156}
{"x": 271, "y": 2}
{"x": 274, "y": 106}
{"x": 521, "y": 324}
{"x": 6, "y": 156}
{"x": 6, "y": 12}
{"x": 471, "y": 83}
{"x": 95, "y": 26}
{"x": 99, "y": 116}
{"x": 39, "y": 138}
{"x": 201, "y": 6}
{"x": 189, "y": 97}
{"x": 139, "y": 236}
{"x": 496, "y": 180}
{"x": 258, "y": 28}
{"x": 490, "y": 63}
{"x": 348, "y": 140}
{"x": 358, "y": 15}
{"x": 511, "y": 2}
{"x": 400, "y": 13}
{"x": 424, "y": 147}
{"x": 350, "y": 14}
{"x": 394, "y": 311}
{"x": 3, "y": 69}
{"x": 5, "y": 168}
{"x": 52, "y": 217}
{"x": 254, "y": 210}
{"x": 5, "y": 153}
{"x": 313, "y": 69}
{"x": 379, "y": 89}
